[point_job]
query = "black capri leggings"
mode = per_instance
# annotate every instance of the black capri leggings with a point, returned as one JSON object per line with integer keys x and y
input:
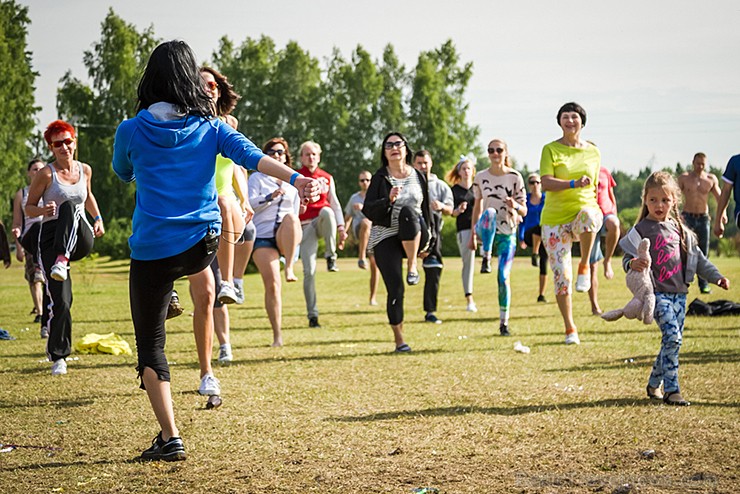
{"x": 537, "y": 230}
{"x": 150, "y": 288}
{"x": 389, "y": 256}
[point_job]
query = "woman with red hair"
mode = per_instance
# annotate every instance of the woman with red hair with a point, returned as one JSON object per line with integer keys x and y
{"x": 65, "y": 235}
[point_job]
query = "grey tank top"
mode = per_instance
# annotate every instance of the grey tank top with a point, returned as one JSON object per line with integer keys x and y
{"x": 28, "y": 220}
{"x": 59, "y": 192}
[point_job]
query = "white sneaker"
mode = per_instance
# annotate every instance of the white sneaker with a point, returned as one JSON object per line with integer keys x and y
{"x": 59, "y": 271}
{"x": 472, "y": 307}
{"x": 224, "y": 354}
{"x": 59, "y": 367}
{"x": 239, "y": 289}
{"x": 572, "y": 339}
{"x": 227, "y": 294}
{"x": 583, "y": 283}
{"x": 209, "y": 386}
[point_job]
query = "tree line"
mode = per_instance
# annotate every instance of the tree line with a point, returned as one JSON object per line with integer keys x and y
{"x": 345, "y": 104}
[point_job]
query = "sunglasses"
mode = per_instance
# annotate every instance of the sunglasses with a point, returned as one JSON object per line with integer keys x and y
{"x": 495, "y": 150}
{"x": 364, "y": 180}
{"x": 532, "y": 182}
{"x": 212, "y": 85}
{"x": 393, "y": 144}
{"x": 275, "y": 152}
{"x": 66, "y": 142}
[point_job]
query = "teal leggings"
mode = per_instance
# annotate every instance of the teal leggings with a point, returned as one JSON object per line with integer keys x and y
{"x": 505, "y": 246}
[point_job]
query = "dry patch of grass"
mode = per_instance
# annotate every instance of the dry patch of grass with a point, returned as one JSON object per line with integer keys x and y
{"x": 336, "y": 411}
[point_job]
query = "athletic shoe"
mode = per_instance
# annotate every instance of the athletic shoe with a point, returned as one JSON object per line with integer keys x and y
{"x": 472, "y": 307}
{"x": 171, "y": 450}
{"x": 432, "y": 318}
{"x": 224, "y": 354}
{"x": 331, "y": 265}
{"x": 59, "y": 271}
{"x": 44, "y": 332}
{"x": 572, "y": 339}
{"x": 504, "y": 330}
{"x": 403, "y": 348}
{"x": 174, "y": 308}
{"x": 59, "y": 367}
{"x": 541, "y": 299}
{"x": 412, "y": 278}
{"x": 362, "y": 264}
{"x": 705, "y": 290}
{"x": 313, "y": 322}
{"x": 209, "y": 386}
{"x": 239, "y": 289}
{"x": 37, "y": 319}
{"x": 431, "y": 262}
{"x": 485, "y": 265}
{"x": 227, "y": 294}
{"x": 534, "y": 260}
{"x": 583, "y": 282}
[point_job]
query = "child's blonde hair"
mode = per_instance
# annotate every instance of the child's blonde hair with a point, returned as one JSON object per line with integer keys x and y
{"x": 453, "y": 176}
{"x": 666, "y": 181}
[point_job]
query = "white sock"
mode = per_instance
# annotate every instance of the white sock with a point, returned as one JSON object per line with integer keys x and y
{"x": 504, "y": 315}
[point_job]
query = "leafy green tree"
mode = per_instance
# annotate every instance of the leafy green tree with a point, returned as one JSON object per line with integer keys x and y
{"x": 114, "y": 65}
{"x": 438, "y": 110}
{"x": 392, "y": 104}
{"x": 17, "y": 108}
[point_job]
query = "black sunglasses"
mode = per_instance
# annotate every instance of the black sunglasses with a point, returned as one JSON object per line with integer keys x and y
{"x": 364, "y": 180}
{"x": 393, "y": 144}
{"x": 532, "y": 182}
{"x": 495, "y": 150}
{"x": 271, "y": 152}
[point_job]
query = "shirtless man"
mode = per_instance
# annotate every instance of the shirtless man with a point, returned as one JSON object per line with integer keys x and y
{"x": 696, "y": 186}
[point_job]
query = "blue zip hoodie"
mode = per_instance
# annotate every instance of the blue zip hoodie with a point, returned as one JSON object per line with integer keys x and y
{"x": 173, "y": 162}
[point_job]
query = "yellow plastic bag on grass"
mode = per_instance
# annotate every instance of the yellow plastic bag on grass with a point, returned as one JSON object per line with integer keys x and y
{"x": 103, "y": 343}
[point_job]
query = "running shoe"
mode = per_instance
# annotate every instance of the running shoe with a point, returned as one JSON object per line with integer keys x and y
{"x": 174, "y": 308}
{"x": 472, "y": 307}
{"x": 432, "y": 318}
{"x": 572, "y": 339}
{"x": 485, "y": 265}
{"x": 209, "y": 386}
{"x": 331, "y": 264}
{"x": 583, "y": 282}
{"x": 227, "y": 294}
{"x": 239, "y": 289}
{"x": 59, "y": 367}
{"x": 224, "y": 354}
{"x": 171, "y": 450}
{"x": 59, "y": 271}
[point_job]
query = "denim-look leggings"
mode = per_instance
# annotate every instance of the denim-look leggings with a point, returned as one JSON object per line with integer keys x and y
{"x": 670, "y": 313}
{"x": 505, "y": 246}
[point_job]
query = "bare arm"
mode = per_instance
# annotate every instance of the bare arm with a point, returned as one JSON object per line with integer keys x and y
{"x": 40, "y": 183}
{"x": 477, "y": 205}
{"x": 550, "y": 183}
{"x": 721, "y": 219}
{"x": 91, "y": 204}
{"x": 17, "y": 222}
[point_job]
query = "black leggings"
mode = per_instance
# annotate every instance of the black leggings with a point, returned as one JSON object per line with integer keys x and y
{"x": 70, "y": 235}
{"x": 537, "y": 230}
{"x": 150, "y": 288}
{"x": 389, "y": 256}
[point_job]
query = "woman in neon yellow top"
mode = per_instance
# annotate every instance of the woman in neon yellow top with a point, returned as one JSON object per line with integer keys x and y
{"x": 569, "y": 171}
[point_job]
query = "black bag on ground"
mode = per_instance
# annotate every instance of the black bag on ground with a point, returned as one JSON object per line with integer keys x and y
{"x": 714, "y": 308}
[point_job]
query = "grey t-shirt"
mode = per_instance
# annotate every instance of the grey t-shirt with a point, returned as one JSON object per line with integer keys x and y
{"x": 356, "y": 214}
{"x": 665, "y": 252}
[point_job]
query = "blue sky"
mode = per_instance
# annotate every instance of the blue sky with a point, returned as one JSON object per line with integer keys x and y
{"x": 660, "y": 79}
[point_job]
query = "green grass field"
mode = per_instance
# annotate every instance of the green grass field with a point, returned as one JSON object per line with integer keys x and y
{"x": 335, "y": 411}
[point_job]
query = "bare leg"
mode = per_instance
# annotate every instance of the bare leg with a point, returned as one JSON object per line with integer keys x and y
{"x": 268, "y": 264}
{"x": 411, "y": 248}
{"x": 242, "y": 253}
{"x": 536, "y": 240}
{"x": 203, "y": 291}
{"x": 565, "y": 305}
{"x": 221, "y": 324}
{"x": 374, "y": 279}
{"x": 593, "y": 292}
{"x": 37, "y": 295}
{"x": 587, "y": 243}
{"x": 612, "y": 237}
{"x": 398, "y": 334}
{"x": 364, "y": 238}
{"x": 160, "y": 397}
{"x": 232, "y": 225}
{"x": 288, "y": 237}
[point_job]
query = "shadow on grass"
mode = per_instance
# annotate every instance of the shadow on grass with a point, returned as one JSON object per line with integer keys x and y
{"x": 73, "y": 403}
{"x": 59, "y": 464}
{"x": 511, "y": 411}
{"x": 721, "y": 356}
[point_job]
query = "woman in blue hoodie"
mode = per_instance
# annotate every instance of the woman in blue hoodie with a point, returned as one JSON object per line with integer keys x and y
{"x": 170, "y": 150}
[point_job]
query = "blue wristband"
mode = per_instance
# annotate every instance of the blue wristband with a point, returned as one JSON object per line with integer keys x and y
{"x": 98, "y": 217}
{"x": 293, "y": 177}
{"x": 572, "y": 184}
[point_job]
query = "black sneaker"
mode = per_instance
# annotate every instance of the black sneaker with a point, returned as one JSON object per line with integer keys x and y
{"x": 172, "y": 450}
{"x": 430, "y": 317}
{"x": 37, "y": 319}
{"x": 534, "y": 260}
{"x": 504, "y": 330}
{"x": 485, "y": 265}
{"x": 313, "y": 322}
{"x": 174, "y": 309}
{"x": 541, "y": 299}
{"x": 331, "y": 265}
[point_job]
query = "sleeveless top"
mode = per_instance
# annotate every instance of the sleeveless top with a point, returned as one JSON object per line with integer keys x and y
{"x": 27, "y": 221}
{"x": 60, "y": 193}
{"x": 224, "y": 176}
